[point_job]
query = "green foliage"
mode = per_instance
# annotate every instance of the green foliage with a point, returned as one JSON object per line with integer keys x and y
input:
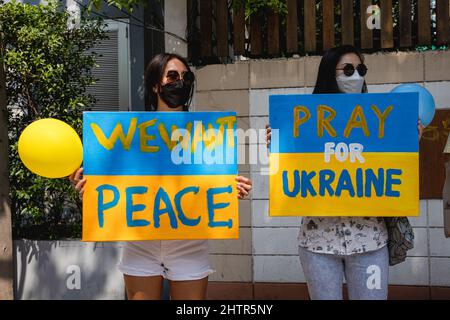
{"x": 127, "y": 5}
{"x": 48, "y": 69}
{"x": 256, "y": 6}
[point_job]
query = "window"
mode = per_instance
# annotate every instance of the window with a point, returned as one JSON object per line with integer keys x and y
{"x": 112, "y": 89}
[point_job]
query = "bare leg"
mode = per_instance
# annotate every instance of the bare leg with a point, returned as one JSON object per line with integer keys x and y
{"x": 188, "y": 290}
{"x": 143, "y": 288}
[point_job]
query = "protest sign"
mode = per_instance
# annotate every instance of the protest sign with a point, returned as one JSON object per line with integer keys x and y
{"x": 344, "y": 155}
{"x": 159, "y": 175}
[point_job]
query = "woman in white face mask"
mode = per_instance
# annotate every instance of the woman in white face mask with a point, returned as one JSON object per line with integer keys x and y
{"x": 331, "y": 248}
{"x": 350, "y": 74}
{"x": 341, "y": 70}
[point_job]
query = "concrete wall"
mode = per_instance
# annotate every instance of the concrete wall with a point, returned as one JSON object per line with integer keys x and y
{"x": 175, "y": 22}
{"x": 62, "y": 270}
{"x": 266, "y": 254}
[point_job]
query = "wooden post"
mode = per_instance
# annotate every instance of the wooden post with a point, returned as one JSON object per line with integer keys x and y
{"x": 222, "y": 28}
{"x": 387, "y": 36}
{"x": 442, "y": 22}
{"x": 405, "y": 23}
{"x": 327, "y": 24}
{"x": 6, "y": 246}
{"x": 273, "y": 33}
{"x": 239, "y": 29}
{"x": 348, "y": 33}
{"x": 206, "y": 28}
{"x": 256, "y": 34}
{"x": 291, "y": 27}
{"x": 424, "y": 22}
{"x": 366, "y": 34}
{"x": 310, "y": 25}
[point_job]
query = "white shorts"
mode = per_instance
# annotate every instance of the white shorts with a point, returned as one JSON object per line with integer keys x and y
{"x": 177, "y": 260}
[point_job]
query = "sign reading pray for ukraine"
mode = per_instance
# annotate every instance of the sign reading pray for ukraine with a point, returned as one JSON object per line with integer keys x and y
{"x": 344, "y": 155}
{"x": 159, "y": 175}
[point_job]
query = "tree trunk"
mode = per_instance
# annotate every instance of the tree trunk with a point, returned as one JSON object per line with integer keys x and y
{"x": 6, "y": 247}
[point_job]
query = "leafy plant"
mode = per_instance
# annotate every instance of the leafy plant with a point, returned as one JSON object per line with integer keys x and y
{"x": 48, "y": 69}
{"x": 255, "y": 6}
{"x": 128, "y": 5}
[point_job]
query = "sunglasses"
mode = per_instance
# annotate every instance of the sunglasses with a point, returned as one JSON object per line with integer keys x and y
{"x": 349, "y": 69}
{"x": 188, "y": 76}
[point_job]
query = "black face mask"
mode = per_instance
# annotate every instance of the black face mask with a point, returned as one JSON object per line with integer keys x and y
{"x": 176, "y": 93}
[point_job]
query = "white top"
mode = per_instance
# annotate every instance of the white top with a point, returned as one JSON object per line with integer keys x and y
{"x": 343, "y": 235}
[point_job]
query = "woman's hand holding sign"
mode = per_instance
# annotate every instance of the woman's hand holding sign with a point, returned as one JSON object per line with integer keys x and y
{"x": 268, "y": 135}
{"x": 78, "y": 181}
{"x": 420, "y": 128}
{"x": 244, "y": 186}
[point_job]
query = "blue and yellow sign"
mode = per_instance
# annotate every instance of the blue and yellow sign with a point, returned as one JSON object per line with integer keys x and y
{"x": 159, "y": 175}
{"x": 344, "y": 155}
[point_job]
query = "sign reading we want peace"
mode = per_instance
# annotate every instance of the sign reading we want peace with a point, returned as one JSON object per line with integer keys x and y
{"x": 344, "y": 155}
{"x": 159, "y": 175}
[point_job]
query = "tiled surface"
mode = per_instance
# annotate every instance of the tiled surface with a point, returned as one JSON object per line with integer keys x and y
{"x": 421, "y": 220}
{"x": 245, "y": 214}
{"x": 435, "y": 213}
{"x": 244, "y": 169}
{"x": 440, "y": 92}
{"x": 381, "y": 88}
{"x": 261, "y": 218}
{"x": 277, "y": 269}
{"x": 259, "y": 122}
{"x": 44, "y": 268}
{"x": 260, "y": 164}
{"x": 413, "y": 271}
{"x": 243, "y": 245}
{"x": 236, "y": 268}
{"x": 309, "y": 90}
{"x": 420, "y": 243}
{"x": 260, "y": 186}
{"x": 275, "y": 241}
{"x": 253, "y": 157}
{"x": 243, "y": 158}
{"x": 243, "y": 122}
{"x": 439, "y": 244}
{"x": 440, "y": 271}
{"x": 252, "y": 136}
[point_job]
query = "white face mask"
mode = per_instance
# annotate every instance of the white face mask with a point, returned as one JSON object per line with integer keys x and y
{"x": 353, "y": 84}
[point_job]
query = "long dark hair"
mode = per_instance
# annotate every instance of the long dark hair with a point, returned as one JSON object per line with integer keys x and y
{"x": 154, "y": 74}
{"x": 326, "y": 78}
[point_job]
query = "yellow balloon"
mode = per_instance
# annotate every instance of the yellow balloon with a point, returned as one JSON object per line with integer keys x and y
{"x": 50, "y": 148}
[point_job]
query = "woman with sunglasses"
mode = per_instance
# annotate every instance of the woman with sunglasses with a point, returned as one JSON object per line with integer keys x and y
{"x": 331, "y": 248}
{"x": 169, "y": 85}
